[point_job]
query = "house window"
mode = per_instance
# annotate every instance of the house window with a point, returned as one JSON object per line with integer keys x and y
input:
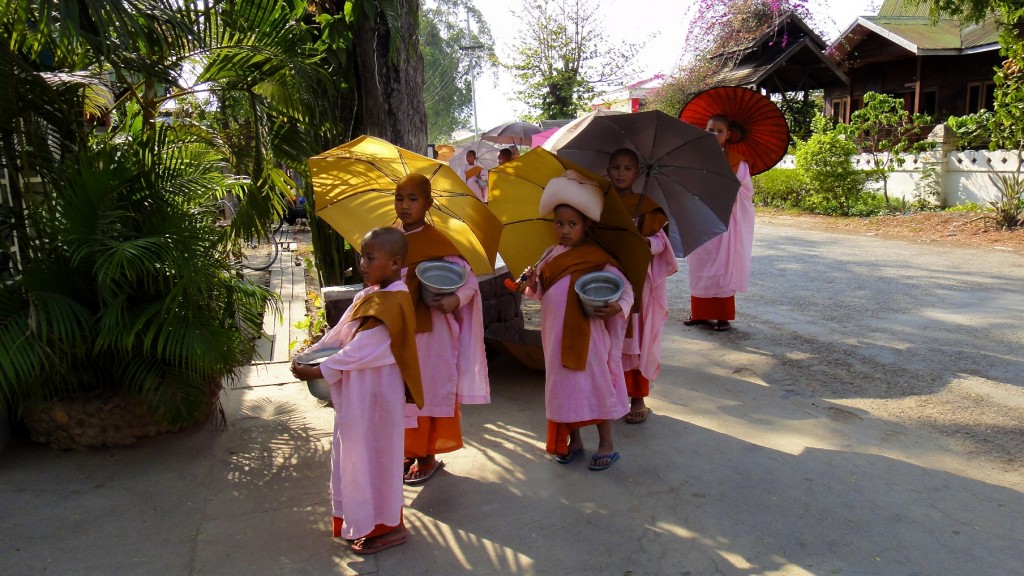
{"x": 929, "y": 102}
{"x": 980, "y": 95}
{"x": 841, "y": 110}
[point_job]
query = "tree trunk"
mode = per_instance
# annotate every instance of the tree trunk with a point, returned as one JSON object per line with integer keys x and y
{"x": 389, "y": 83}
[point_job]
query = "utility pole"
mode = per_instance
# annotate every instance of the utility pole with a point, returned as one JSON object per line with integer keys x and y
{"x": 471, "y": 49}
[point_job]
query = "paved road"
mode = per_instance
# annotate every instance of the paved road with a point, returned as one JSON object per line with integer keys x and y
{"x": 805, "y": 441}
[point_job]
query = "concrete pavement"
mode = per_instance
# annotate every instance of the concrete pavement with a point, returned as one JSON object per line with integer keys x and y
{"x": 731, "y": 475}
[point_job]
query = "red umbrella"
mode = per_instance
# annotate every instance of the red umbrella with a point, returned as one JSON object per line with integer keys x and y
{"x": 759, "y": 130}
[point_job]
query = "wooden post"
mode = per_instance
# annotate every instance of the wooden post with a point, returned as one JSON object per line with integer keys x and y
{"x": 917, "y": 87}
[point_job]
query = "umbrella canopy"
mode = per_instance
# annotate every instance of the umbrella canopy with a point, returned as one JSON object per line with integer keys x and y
{"x": 516, "y": 188}
{"x": 354, "y": 192}
{"x": 566, "y": 132}
{"x": 682, "y": 168}
{"x": 540, "y": 138}
{"x": 486, "y": 155}
{"x": 444, "y": 152}
{"x": 518, "y": 133}
{"x": 758, "y": 129}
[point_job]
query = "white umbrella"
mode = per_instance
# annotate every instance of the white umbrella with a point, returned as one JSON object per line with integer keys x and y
{"x": 486, "y": 155}
{"x": 566, "y": 133}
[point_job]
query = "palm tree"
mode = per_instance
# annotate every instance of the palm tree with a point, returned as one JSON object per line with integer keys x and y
{"x": 115, "y": 280}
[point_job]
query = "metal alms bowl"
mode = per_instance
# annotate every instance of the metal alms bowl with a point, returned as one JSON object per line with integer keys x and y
{"x": 440, "y": 277}
{"x": 598, "y": 288}
{"x": 318, "y": 387}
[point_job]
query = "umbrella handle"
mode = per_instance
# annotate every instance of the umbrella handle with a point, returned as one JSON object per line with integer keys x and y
{"x": 515, "y": 285}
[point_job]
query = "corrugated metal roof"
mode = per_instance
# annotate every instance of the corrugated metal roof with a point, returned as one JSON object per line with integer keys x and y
{"x": 980, "y": 34}
{"x": 921, "y": 32}
{"x": 941, "y": 35}
{"x": 904, "y": 8}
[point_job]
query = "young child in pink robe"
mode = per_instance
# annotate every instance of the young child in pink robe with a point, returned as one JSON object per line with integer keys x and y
{"x": 584, "y": 381}
{"x": 449, "y": 339}
{"x": 720, "y": 267}
{"x": 641, "y": 356}
{"x": 370, "y": 378}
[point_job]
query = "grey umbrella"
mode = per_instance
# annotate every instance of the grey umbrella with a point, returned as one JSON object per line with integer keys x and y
{"x": 518, "y": 133}
{"x": 682, "y": 167}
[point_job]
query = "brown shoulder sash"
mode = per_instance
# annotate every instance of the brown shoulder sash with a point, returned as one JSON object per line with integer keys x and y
{"x": 734, "y": 159}
{"x": 394, "y": 309}
{"x": 427, "y": 243}
{"x": 646, "y": 213}
{"x": 574, "y": 263}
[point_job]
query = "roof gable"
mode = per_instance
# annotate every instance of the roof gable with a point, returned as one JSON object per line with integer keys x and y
{"x": 907, "y": 25}
{"x": 787, "y": 57}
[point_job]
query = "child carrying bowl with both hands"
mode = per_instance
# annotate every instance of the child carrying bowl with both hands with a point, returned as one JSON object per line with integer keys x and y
{"x": 582, "y": 346}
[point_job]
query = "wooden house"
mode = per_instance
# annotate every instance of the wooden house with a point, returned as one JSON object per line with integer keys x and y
{"x": 942, "y": 68}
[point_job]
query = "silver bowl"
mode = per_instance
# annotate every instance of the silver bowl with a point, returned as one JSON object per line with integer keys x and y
{"x": 598, "y": 288}
{"x": 438, "y": 277}
{"x": 318, "y": 387}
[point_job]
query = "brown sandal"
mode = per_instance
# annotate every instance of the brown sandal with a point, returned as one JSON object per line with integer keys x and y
{"x": 691, "y": 321}
{"x": 373, "y": 545}
{"x": 639, "y": 416}
{"x": 721, "y": 326}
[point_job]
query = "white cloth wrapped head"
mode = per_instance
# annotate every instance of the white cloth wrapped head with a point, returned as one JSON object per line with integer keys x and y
{"x": 573, "y": 189}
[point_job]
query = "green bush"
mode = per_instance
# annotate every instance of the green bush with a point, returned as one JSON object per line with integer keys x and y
{"x": 779, "y": 188}
{"x": 972, "y": 130}
{"x": 965, "y": 207}
{"x": 833, "y": 186}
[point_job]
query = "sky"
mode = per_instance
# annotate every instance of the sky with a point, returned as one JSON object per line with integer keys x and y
{"x": 662, "y": 22}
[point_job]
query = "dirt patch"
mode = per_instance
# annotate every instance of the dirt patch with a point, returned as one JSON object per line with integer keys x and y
{"x": 966, "y": 229}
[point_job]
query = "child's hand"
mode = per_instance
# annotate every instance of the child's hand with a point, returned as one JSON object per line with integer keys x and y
{"x": 305, "y": 371}
{"x": 531, "y": 278}
{"x": 609, "y": 310}
{"x": 445, "y": 303}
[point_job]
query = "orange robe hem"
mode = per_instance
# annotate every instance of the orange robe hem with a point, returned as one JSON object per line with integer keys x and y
{"x": 713, "y": 308}
{"x": 434, "y": 435}
{"x": 637, "y": 386}
{"x": 558, "y": 435}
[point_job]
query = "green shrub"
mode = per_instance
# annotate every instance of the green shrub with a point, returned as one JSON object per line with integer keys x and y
{"x": 833, "y": 186}
{"x": 972, "y": 130}
{"x": 779, "y": 188}
{"x": 965, "y": 207}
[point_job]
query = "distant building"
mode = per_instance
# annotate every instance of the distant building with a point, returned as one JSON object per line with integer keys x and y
{"x": 628, "y": 98}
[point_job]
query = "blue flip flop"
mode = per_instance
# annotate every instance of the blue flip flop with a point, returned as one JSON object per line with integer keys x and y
{"x": 568, "y": 457}
{"x": 612, "y": 458}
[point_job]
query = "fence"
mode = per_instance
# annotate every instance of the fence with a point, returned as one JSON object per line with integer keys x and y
{"x": 967, "y": 176}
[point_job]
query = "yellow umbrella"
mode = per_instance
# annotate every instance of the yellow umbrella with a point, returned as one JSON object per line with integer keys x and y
{"x": 354, "y": 192}
{"x": 515, "y": 190}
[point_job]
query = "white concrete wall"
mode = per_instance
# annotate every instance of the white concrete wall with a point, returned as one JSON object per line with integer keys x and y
{"x": 967, "y": 176}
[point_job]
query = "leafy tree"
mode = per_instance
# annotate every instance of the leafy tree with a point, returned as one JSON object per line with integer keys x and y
{"x": 372, "y": 51}
{"x": 719, "y": 32}
{"x": 562, "y": 57}
{"x": 452, "y": 56}
{"x": 114, "y": 275}
{"x": 885, "y": 130}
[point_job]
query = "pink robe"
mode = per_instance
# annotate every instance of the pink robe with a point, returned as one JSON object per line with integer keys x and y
{"x": 721, "y": 267}
{"x": 642, "y": 351}
{"x": 369, "y": 434}
{"x": 599, "y": 392}
{"x": 453, "y": 363}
